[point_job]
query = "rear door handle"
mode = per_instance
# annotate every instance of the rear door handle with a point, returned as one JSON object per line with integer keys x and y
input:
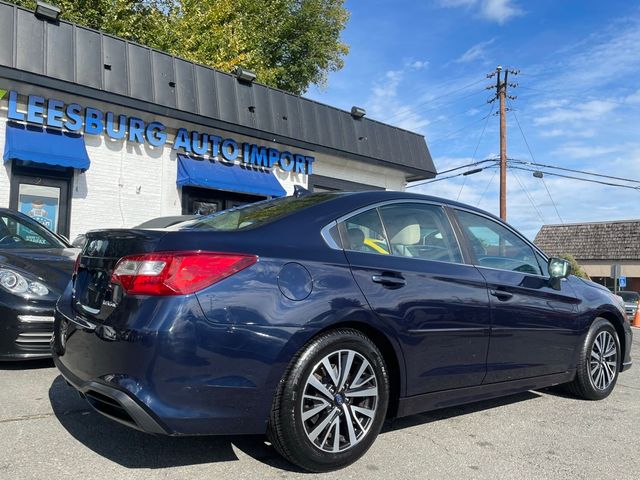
{"x": 501, "y": 295}
{"x": 389, "y": 280}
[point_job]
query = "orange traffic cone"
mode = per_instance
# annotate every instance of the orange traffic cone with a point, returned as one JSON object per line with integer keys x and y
{"x": 636, "y": 317}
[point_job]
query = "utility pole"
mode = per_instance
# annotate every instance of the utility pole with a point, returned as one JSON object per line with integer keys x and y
{"x": 501, "y": 95}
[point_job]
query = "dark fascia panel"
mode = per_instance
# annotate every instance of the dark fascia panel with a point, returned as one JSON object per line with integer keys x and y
{"x": 76, "y": 59}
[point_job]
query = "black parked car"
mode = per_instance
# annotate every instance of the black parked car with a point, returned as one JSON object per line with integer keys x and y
{"x": 313, "y": 318}
{"x": 35, "y": 268}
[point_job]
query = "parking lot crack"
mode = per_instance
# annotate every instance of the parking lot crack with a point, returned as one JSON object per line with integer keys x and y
{"x": 39, "y": 416}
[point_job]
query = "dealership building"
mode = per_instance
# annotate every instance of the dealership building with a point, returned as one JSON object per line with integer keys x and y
{"x": 99, "y": 132}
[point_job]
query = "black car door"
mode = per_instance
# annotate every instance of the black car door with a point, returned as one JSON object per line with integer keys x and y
{"x": 533, "y": 327}
{"x": 406, "y": 260}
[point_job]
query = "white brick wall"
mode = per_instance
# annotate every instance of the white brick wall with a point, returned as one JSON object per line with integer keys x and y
{"x": 129, "y": 183}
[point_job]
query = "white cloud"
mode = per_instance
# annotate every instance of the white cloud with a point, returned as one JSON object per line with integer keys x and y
{"x": 568, "y": 132}
{"x": 418, "y": 64}
{"x": 499, "y": 11}
{"x": 633, "y": 99}
{"x": 476, "y": 52}
{"x": 385, "y": 104}
{"x": 579, "y": 151}
{"x": 581, "y": 112}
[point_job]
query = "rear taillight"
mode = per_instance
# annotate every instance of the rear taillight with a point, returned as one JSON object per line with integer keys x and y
{"x": 176, "y": 273}
{"x": 76, "y": 266}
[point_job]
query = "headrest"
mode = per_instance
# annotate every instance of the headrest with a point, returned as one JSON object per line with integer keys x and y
{"x": 356, "y": 237}
{"x": 407, "y": 235}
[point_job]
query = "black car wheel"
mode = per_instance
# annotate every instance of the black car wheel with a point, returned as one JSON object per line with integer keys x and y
{"x": 332, "y": 402}
{"x": 598, "y": 364}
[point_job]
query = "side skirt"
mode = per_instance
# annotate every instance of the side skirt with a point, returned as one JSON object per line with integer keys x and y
{"x": 450, "y": 398}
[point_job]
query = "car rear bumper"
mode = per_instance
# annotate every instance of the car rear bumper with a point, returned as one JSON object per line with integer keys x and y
{"x": 25, "y": 332}
{"x": 114, "y": 403}
{"x": 175, "y": 372}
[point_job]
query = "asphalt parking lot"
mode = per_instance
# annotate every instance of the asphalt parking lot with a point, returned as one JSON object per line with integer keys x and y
{"x": 47, "y": 431}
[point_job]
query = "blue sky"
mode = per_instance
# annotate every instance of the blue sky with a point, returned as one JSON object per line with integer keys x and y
{"x": 422, "y": 65}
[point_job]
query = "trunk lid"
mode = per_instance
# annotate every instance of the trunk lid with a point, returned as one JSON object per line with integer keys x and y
{"x": 93, "y": 295}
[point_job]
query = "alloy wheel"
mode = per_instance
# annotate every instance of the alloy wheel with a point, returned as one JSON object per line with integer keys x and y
{"x": 339, "y": 401}
{"x": 603, "y": 362}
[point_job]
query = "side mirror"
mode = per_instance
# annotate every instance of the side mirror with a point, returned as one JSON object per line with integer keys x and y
{"x": 559, "y": 268}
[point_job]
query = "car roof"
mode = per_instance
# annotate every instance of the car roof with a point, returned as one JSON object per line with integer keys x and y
{"x": 374, "y": 196}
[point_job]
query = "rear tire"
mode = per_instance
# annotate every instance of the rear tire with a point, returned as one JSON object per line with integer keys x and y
{"x": 331, "y": 403}
{"x": 598, "y": 363}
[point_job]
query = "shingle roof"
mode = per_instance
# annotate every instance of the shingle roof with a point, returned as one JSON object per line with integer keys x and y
{"x": 617, "y": 240}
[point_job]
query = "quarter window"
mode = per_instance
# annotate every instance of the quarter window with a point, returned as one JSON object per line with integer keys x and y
{"x": 495, "y": 246}
{"x": 364, "y": 233}
{"x": 420, "y": 231}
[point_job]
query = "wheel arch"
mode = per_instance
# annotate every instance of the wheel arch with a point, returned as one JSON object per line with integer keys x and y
{"x": 619, "y": 326}
{"x": 392, "y": 357}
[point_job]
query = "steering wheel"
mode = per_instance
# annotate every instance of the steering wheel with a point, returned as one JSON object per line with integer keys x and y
{"x": 18, "y": 237}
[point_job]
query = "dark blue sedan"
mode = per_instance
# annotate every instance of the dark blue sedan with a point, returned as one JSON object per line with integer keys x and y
{"x": 313, "y": 318}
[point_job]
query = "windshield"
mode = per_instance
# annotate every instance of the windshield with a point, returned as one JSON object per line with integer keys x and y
{"x": 17, "y": 232}
{"x": 629, "y": 296}
{"x": 255, "y": 214}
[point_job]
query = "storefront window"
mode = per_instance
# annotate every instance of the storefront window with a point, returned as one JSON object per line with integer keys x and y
{"x": 42, "y": 203}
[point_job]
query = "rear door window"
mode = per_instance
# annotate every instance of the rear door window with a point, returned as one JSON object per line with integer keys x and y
{"x": 421, "y": 231}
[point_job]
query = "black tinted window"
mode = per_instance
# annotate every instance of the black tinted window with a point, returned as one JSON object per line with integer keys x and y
{"x": 420, "y": 231}
{"x": 629, "y": 296}
{"x": 255, "y": 214}
{"x": 495, "y": 246}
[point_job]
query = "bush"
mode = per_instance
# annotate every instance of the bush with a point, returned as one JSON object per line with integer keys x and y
{"x": 576, "y": 269}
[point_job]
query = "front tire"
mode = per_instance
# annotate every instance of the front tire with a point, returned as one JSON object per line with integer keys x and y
{"x": 598, "y": 364}
{"x": 332, "y": 402}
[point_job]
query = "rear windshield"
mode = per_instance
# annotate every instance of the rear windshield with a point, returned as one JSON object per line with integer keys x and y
{"x": 254, "y": 214}
{"x": 629, "y": 296}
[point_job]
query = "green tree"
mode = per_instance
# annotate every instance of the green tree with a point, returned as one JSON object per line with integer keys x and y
{"x": 290, "y": 44}
{"x": 576, "y": 269}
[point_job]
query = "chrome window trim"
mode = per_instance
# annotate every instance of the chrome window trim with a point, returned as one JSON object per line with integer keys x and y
{"x": 378, "y": 205}
{"x": 328, "y": 239}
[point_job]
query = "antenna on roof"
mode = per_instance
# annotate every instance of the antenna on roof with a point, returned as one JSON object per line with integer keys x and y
{"x": 300, "y": 191}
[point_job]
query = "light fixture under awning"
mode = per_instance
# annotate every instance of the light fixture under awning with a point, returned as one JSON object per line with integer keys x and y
{"x": 198, "y": 172}
{"x": 45, "y": 146}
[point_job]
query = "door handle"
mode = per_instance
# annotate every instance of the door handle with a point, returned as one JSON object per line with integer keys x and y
{"x": 501, "y": 295}
{"x": 389, "y": 280}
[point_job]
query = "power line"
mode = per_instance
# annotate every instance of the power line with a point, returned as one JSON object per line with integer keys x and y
{"x": 524, "y": 137}
{"x": 437, "y": 140}
{"x": 473, "y": 157}
{"x": 524, "y": 189}
{"x": 452, "y": 176}
{"x": 467, "y": 165}
{"x": 573, "y": 170}
{"x": 448, "y": 94}
{"x": 578, "y": 97}
{"x": 579, "y": 178}
{"x": 411, "y": 109}
{"x": 487, "y": 187}
{"x": 551, "y": 198}
{"x": 411, "y": 114}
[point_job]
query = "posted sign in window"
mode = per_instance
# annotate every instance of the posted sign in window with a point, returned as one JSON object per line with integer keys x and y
{"x": 42, "y": 203}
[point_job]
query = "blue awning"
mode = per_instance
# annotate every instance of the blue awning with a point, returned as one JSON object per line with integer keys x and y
{"x": 198, "y": 172}
{"x": 45, "y": 145}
